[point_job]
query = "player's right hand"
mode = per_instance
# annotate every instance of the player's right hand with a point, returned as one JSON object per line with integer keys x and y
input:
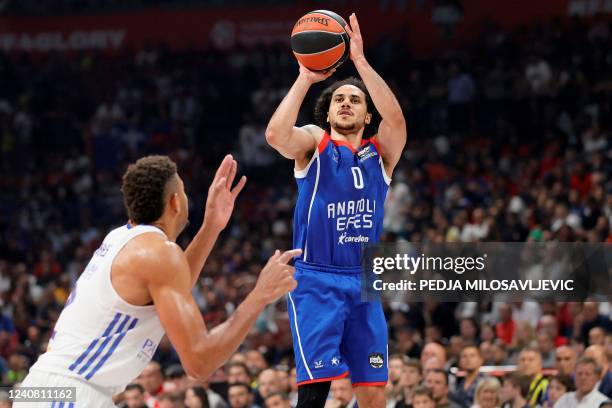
{"x": 313, "y": 77}
{"x": 276, "y": 278}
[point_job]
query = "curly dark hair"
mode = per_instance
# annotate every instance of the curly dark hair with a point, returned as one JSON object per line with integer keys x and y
{"x": 144, "y": 184}
{"x": 322, "y": 106}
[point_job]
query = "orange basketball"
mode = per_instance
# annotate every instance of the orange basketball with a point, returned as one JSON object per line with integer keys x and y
{"x": 319, "y": 40}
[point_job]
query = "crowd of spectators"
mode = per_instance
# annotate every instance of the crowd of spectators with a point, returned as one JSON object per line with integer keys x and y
{"x": 509, "y": 140}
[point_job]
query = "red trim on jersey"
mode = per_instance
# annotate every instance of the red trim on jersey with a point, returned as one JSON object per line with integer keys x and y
{"x": 369, "y": 384}
{"x": 327, "y": 138}
{"x": 323, "y": 143}
{"x": 343, "y": 143}
{"x": 375, "y": 143}
{"x": 318, "y": 380}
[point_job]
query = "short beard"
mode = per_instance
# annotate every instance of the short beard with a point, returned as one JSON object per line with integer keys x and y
{"x": 344, "y": 128}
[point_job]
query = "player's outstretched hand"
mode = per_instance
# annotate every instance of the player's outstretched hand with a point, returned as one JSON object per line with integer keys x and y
{"x": 221, "y": 195}
{"x": 352, "y": 29}
{"x": 276, "y": 278}
{"x": 312, "y": 76}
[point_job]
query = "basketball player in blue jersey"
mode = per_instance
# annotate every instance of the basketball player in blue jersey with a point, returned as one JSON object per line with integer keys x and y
{"x": 137, "y": 287}
{"x": 343, "y": 170}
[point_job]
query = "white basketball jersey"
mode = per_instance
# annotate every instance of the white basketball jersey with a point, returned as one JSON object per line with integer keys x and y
{"x": 100, "y": 338}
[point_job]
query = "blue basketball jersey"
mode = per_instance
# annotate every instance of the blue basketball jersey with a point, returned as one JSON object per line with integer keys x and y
{"x": 340, "y": 204}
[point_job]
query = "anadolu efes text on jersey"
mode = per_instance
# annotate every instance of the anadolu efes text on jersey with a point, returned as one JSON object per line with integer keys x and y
{"x": 341, "y": 195}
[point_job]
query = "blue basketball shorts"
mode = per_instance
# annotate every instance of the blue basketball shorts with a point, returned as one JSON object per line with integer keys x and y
{"x": 335, "y": 334}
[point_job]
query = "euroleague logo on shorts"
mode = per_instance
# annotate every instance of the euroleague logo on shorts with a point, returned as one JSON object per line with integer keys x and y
{"x": 376, "y": 360}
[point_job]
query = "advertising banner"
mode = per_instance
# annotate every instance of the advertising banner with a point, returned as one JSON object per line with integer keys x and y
{"x": 423, "y": 25}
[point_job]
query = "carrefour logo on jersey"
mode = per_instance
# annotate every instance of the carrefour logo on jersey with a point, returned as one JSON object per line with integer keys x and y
{"x": 355, "y": 213}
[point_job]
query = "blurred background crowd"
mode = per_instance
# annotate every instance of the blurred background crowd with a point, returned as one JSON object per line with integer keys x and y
{"x": 508, "y": 140}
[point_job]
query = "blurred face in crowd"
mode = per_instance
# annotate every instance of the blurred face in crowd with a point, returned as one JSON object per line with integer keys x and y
{"x": 590, "y": 311}
{"x": 598, "y": 354}
{"x": 276, "y": 401}
{"x": 342, "y": 390}
{"x": 470, "y": 359}
{"x": 456, "y": 344}
{"x": 239, "y": 397}
{"x": 151, "y": 378}
{"x": 432, "y": 334}
{"x": 500, "y": 355}
{"x": 436, "y": 382}
{"x": 432, "y": 364}
{"x": 411, "y": 376}
{"x": 545, "y": 342}
{"x": 17, "y": 362}
{"x": 488, "y": 396}
{"x": 555, "y": 391}
{"x": 548, "y": 323}
{"x": 167, "y": 403}
{"x": 433, "y": 350}
{"x": 268, "y": 382}
{"x": 348, "y": 111}
{"x": 404, "y": 340}
{"x": 255, "y": 362}
{"x": 238, "y": 374}
{"x": 575, "y": 308}
{"x": 238, "y": 358}
{"x": 134, "y": 398}
{"x": 505, "y": 313}
{"x": 586, "y": 378}
{"x": 33, "y": 334}
{"x": 597, "y": 336}
{"x": 486, "y": 351}
{"x": 423, "y": 401}
{"x": 509, "y": 391}
{"x": 176, "y": 383}
{"x": 282, "y": 378}
{"x": 467, "y": 329}
{"x": 487, "y": 333}
{"x": 192, "y": 400}
{"x": 396, "y": 367}
{"x": 529, "y": 363}
{"x": 565, "y": 360}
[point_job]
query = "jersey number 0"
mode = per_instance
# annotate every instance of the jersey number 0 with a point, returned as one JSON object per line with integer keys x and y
{"x": 357, "y": 177}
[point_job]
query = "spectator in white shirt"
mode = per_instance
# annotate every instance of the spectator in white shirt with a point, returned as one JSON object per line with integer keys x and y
{"x": 586, "y": 394}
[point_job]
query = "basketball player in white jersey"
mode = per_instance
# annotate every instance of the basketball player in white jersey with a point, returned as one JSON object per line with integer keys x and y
{"x": 138, "y": 286}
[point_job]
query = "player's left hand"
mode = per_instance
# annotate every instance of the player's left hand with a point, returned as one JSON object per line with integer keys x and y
{"x": 221, "y": 195}
{"x": 352, "y": 29}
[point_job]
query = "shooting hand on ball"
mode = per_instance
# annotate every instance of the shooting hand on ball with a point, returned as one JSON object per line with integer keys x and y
{"x": 354, "y": 33}
{"x": 313, "y": 76}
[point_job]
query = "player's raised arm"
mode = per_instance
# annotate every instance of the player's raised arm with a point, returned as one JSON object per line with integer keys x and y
{"x": 392, "y": 130}
{"x": 219, "y": 207}
{"x": 169, "y": 283}
{"x": 281, "y": 133}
